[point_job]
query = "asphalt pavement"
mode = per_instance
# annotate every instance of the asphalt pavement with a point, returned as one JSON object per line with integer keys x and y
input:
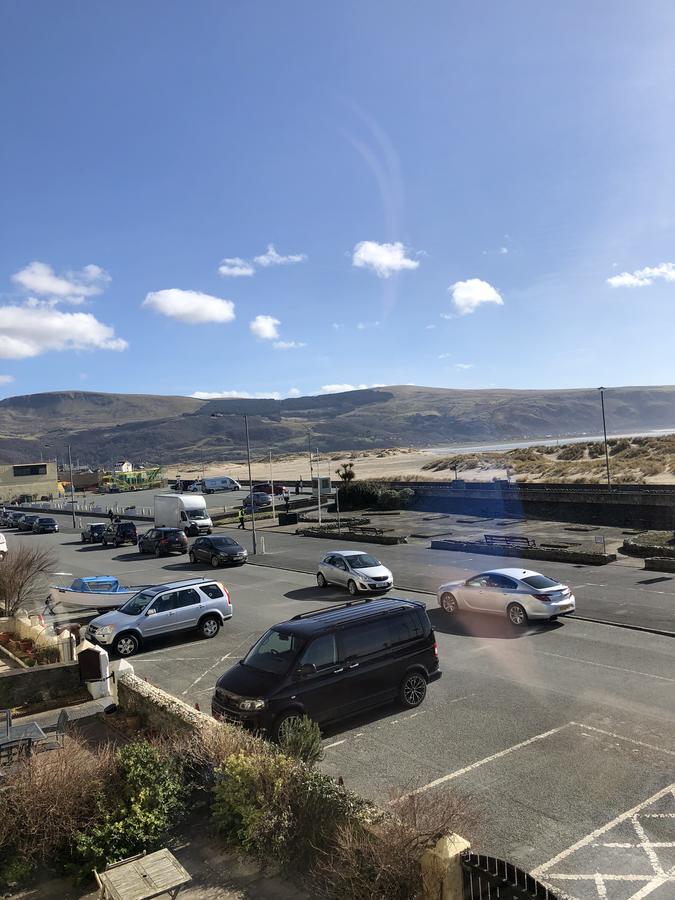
{"x": 544, "y": 736}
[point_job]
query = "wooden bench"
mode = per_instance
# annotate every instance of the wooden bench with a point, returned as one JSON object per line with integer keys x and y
{"x": 509, "y": 540}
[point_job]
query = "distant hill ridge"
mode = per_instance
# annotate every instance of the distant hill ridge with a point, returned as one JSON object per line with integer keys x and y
{"x": 157, "y": 428}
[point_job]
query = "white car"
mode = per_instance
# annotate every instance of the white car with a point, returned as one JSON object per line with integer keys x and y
{"x": 3, "y": 546}
{"x": 355, "y": 570}
{"x": 518, "y": 594}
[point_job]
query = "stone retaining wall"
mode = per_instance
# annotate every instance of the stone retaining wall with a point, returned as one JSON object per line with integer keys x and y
{"x": 19, "y": 687}
{"x": 362, "y": 538}
{"x": 571, "y": 556}
{"x": 660, "y": 564}
{"x": 157, "y": 709}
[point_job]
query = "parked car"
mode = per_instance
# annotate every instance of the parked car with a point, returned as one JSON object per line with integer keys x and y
{"x": 93, "y": 533}
{"x": 265, "y": 487}
{"x": 13, "y": 518}
{"x": 331, "y": 663}
{"x": 518, "y": 594}
{"x": 219, "y": 551}
{"x": 26, "y": 522}
{"x": 198, "y": 604}
{"x": 257, "y": 501}
{"x": 3, "y": 546}
{"x": 355, "y": 570}
{"x": 118, "y": 533}
{"x": 162, "y": 541}
{"x": 45, "y": 525}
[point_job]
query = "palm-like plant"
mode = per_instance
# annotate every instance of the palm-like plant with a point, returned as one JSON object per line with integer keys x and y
{"x": 346, "y": 472}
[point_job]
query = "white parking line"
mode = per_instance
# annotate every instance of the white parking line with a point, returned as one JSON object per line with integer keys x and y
{"x": 488, "y": 759}
{"x": 589, "y": 662}
{"x": 335, "y": 744}
{"x": 620, "y": 737}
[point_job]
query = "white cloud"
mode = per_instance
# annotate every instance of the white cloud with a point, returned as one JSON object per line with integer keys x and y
{"x": 72, "y": 287}
{"x": 429, "y": 326}
{"x": 341, "y": 388}
{"x": 503, "y": 251}
{"x": 361, "y": 326}
{"x": 643, "y": 277}
{"x": 288, "y": 345}
{"x": 337, "y": 326}
{"x": 265, "y": 327}
{"x": 235, "y": 267}
{"x": 383, "y": 259}
{"x": 272, "y": 258}
{"x": 192, "y": 307}
{"x": 464, "y": 365}
{"x": 468, "y": 295}
{"x": 444, "y": 355}
{"x": 26, "y": 332}
{"x": 294, "y": 392}
{"x": 6, "y": 379}
{"x": 236, "y": 395}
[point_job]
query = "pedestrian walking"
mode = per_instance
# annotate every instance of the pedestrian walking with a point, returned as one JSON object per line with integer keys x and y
{"x": 287, "y": 502}
{"x": 297, "y": 487}
{"x": 242, "y": 520}
{"x": 110, "y": 514}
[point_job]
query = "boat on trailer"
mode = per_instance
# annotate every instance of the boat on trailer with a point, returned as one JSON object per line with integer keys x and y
{"x": 93, "y": 592}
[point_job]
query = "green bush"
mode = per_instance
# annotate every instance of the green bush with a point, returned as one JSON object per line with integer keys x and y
{"x": 358, "y": 494}
{"x": 302, "y": 741}
{"x": 572, "y": 451}
{"x": 136, "y": 812}
{"x": 276, "y": 807}
{"x": 389, "y": 499}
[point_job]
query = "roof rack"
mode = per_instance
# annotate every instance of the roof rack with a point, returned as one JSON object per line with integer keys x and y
{"x": 319, "y": 612}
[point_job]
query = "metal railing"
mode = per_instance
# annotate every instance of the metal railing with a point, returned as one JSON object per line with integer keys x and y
{"x": 488, "y": 878}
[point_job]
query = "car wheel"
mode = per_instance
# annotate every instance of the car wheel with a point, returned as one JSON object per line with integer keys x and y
{"x": 449, "y": 603}
{"x": 82, "y": 539}
{"x": 413, "y": 690}
{"x": 126, "y": 645}
{"x": 321, "y": 581}
{"x": 209, "y": 626}
{"x": 193, "y": 558}
{"x": 141, "y": 549}
{"x": 104, "y": 543}
{"x": 116, "y": 545}
{"x": 215, "y": 562}
{"x": 517, "y": 615}
{"x": 352, "y": 588}
{"x": 284, "y": 725}
{"x": 158, "y": 552}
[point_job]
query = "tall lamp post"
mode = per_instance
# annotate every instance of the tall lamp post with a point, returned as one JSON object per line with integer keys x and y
{"x": 604, "y": 431}
{"x": 250, "y": 479}
{"x": 72, "y": 486}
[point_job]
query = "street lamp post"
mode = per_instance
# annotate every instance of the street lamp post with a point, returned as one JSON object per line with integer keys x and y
{"x": 309, "y": 447}
{"x": 250, "y": 479}
{"x": 72, "y": 486}
{"x": 272, "y": 487}
{"x": 318, "y": 486}
{"x": 604, "y": 431}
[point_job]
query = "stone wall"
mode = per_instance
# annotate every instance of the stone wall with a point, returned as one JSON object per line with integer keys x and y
{"x": 570, "y": 556}
{"x": 19, "y": 687}
{"x": 157, "y": 709}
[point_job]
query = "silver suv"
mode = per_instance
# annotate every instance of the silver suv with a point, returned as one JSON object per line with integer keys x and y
{"x": 198, "y": 603}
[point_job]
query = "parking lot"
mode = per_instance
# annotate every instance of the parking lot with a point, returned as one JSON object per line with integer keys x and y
{"x": 545, "y": 735}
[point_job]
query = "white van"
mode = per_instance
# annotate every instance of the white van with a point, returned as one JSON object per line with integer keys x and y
{"x": 210, "y": 485}
{"x": 182, "y": 511}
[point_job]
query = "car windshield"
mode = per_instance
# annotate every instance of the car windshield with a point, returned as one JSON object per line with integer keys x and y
{"x": 223, "y": 542}
{"x": 136, "y": 604}
{"x": 197, "y": 514}
{"x": 127, "y": 526}
{"x": 172, "y": 533}
{"x": 274, "y": 652}
{"x": 97, "y": 527}
{"x": 540, "y": 582}
{"x": 363, "y": 561}
{"x": 47, "y": 521}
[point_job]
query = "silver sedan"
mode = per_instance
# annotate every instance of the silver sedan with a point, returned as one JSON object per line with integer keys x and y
{"x": 355, "y": 570}
{"x": 518, "y": 594}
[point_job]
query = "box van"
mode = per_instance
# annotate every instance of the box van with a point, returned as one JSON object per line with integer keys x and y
{"x": 330, "y": 664}
{"x": 182, "y": 511}
{"x": 210, "y": 485}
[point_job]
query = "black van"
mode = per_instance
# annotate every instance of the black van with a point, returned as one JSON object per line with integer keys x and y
{"x": 332, "y": 663}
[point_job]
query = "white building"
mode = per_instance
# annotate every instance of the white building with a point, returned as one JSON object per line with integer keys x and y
{"x": 123, "y": 466}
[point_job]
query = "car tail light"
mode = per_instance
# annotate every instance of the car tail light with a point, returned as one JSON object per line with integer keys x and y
{"x": 545, "y": 597}
{"x": 435, "y": 649}
{"x": 163, "y": 541}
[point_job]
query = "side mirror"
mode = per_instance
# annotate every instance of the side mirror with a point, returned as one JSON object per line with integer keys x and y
{"x": 151, "y": 612}
{"x": 306, "y": 669}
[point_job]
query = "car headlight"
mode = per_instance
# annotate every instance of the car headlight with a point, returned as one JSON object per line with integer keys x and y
{"x": 106, "y": 631}
{"x": 251, "y": 704}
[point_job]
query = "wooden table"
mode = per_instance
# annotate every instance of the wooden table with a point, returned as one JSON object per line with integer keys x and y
{"x": 143, "y": 877}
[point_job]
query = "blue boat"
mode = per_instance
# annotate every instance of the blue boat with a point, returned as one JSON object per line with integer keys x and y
{"x": 93, "y": 592}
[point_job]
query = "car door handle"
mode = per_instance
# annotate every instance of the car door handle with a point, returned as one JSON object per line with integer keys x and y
{"x": 337, "y": 671}
{"x": 353, "y": 666}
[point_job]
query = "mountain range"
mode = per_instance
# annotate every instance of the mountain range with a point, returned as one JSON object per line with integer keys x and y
{"x": 150, "y": 428}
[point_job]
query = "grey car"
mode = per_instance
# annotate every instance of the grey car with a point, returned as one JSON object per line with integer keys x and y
{"x": 355, "y": 570}
{"x": 218, "y": 550}
{"x": 196, "y": 604}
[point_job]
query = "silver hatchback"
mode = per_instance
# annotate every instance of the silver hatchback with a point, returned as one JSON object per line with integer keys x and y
{"x": 355, "y": 570}
{"x": 198, "y": 604}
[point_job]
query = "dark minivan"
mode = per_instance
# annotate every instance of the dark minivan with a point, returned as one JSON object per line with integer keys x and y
{"x": 332, "y": 663}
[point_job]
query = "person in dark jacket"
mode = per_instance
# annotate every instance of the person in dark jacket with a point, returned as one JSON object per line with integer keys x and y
{"x": 242, "y": 520}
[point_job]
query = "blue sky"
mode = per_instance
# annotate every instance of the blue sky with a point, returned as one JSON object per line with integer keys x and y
{"x": 280, "y": 198}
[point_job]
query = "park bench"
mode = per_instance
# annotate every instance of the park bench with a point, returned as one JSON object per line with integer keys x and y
{"x": 509, "y": 540}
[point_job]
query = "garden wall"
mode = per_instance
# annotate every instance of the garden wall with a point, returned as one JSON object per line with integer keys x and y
{"x": 19, "y": 687}
{"x": 158, "y": 710}
{"x": 571, "y": 556}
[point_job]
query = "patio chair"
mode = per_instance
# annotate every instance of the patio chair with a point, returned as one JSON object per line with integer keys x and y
{"x": 13, "y": 751}
{"x": 5, "y": 722}
{"x": 57, "y": 737}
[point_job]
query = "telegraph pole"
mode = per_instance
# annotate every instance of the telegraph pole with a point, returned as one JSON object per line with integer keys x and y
{"x": 72, "y": 486}
{"x": 604, "y": 431}
{"x": 250, "y": 478}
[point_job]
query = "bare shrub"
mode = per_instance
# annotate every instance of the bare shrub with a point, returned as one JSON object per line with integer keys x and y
{"x": 382, "y": 859}
{"x": 22, "y": 577}
{"x": 48, "y": 798}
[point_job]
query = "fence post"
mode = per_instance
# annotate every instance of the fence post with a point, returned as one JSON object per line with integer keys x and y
{"x": 442, "y": 876}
